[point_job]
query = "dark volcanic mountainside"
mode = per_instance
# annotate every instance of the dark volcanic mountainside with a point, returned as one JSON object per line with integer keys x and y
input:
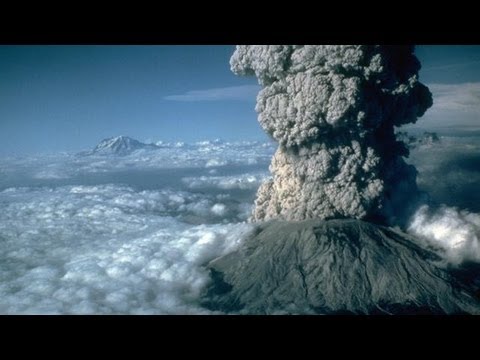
{"x": 334, "y": 267}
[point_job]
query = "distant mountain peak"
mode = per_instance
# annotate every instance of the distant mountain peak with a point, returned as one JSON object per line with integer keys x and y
{"x": 121, "y": 145}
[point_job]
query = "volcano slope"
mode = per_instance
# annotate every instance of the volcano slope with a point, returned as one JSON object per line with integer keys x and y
{"x": 335, "y": 267}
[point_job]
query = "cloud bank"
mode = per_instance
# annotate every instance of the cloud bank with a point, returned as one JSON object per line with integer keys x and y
{"x": 109, "y": 249}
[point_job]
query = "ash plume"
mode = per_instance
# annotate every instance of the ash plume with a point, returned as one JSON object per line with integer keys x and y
{"x": 332, "y": 109}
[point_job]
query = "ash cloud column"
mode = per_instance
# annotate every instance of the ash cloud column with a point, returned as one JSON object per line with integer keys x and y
{"x": 332, "y": 109}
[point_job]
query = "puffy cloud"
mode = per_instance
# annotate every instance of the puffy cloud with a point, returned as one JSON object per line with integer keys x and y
{"x": 219, "y": 209}
{"x": 333, "y": 109}
{"x": 248, "y": 181}
{"x": 455, "y": 232}
{"x": 215, "y": 163}
{"x": 108, "y": 249}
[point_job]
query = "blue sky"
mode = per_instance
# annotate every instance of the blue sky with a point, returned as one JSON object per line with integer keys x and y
{"x": 55, "y": 98}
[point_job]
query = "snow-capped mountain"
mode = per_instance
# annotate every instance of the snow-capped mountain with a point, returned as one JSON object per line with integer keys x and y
{"x": 126, "y": 146}
{"x": 121, "y": 145}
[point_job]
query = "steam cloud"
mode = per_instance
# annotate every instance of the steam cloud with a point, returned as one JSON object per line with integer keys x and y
{"x": 449, "y": 172}
{"x": 454, "y": 232}
{"x": 333, "y": 109}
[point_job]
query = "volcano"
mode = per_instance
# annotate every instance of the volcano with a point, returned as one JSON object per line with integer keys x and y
{"x": 335, "y": 267}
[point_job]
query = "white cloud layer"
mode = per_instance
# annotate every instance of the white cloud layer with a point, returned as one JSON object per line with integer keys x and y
{"x": 135, "y": 240}
{"x": 211, "y": 155}
{"x": 107, "y": 250}
{"x": 124, "y": 249}
{"x": 243, "y": 182}
{"x": 244, "y": 93}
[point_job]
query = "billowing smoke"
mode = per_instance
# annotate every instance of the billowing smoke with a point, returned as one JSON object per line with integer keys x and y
{"x": 333, "y": 109}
